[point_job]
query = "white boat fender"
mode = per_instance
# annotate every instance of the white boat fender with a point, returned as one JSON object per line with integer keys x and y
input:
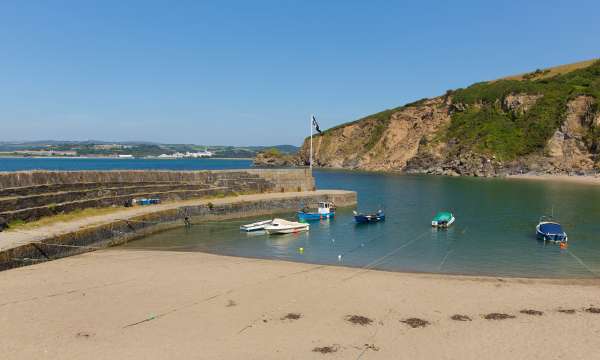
{"x": 340, "y": 257}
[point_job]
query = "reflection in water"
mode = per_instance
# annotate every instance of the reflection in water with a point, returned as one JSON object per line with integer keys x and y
{"x": 494, "y": 233}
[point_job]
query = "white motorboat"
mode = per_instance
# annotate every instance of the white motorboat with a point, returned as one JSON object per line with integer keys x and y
{"x": 281, "y": 226}
{"x": 257, "y": 226}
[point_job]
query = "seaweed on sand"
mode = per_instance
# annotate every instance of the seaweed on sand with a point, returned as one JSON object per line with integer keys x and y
{"x": 415, "y": 322}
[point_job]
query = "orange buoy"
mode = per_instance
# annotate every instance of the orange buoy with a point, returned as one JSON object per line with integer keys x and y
{"x": 563, "y": 245}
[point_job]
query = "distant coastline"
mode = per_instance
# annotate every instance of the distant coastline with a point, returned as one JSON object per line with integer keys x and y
{"x": 6, "y": 156}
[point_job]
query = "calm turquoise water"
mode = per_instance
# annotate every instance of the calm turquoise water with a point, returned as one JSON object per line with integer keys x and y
{"x": 493, "y": 234}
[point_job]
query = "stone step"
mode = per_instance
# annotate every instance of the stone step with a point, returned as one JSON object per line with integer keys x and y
{"x": 31, "y": 201}
{"x": 246, "y": 184}
{"x": 34, "y": 213}
{"x": 51, "y": 188}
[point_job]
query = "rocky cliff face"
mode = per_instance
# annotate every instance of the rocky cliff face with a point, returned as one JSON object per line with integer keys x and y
{"x": 423, "y": 137}
{"x": 415, "y": 141}
{"x": 267, "y": 159}
{"x": 408, "y": 131}
{"x": 567, "y": 149}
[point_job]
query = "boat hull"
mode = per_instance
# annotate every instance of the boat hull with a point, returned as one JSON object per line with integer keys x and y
{"x": 305, "y": 216}
{"x": 257, "y": 226}
{"x": 368, "y": 219}
{"x": 293, "y": 230}
{"x": 280, "y": 226}
{"x": 552, "y": 237}
{"x": 443, "y": 224}
{"x": 253, "y": 229}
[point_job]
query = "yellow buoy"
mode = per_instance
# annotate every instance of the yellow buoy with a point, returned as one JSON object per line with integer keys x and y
{"x": 301, "y": 250}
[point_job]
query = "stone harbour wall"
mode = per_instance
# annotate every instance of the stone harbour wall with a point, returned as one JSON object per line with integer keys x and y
{"x": 124, "y": 230}
{"x": 30, "y": 195}
{"x": 289, "y": 179}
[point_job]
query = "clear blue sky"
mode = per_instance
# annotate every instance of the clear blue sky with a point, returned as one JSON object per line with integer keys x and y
{"x": 251, "y": 72}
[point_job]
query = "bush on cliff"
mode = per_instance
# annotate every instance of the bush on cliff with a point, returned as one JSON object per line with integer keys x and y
{"x": 487, "y": 128}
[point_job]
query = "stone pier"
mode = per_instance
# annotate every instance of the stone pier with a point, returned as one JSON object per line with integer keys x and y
{"x": 57, "y": 240}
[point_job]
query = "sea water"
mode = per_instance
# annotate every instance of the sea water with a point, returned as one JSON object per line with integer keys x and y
{"x": 494, "y": 233}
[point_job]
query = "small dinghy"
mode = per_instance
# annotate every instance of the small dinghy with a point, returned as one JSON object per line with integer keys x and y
{"x": 361, "y": 218}
{"x": 281, "y": 226}
{"x": 325, "y": 210}
{"x": 443, "y": 219}
{"x": 549, "y": 230}
{"x": 257, "y": 226}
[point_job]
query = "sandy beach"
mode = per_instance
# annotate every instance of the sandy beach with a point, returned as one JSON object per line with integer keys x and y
{"x": 589, "y": 180}
{"x": 119, "y": 304}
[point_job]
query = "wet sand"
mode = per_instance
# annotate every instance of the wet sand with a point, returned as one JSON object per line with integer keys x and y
{"x": 120, "y": 304}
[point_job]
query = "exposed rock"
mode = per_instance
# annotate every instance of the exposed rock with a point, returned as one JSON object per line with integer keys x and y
{"x": 266, "y": 159}
{"x": 408, "y": 130}
{"x": 567, "y": 148}
{"x": 525, "y": 124}
{"x": 413, "y": 140}
{"x": 520, "y": 103}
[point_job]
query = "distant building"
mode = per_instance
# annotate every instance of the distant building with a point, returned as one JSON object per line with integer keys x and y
{"x": 125, "y": 156}
{"x": 179, "y": 155}
{"x": 46, "y": 153}
{"x": 199, "y": 154}
{"x": 111, "y": 146}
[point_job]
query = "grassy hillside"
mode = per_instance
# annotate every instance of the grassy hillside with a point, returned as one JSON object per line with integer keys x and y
{"x": 491, "y": 129}
{"x": 551, "y": 71}
{"x": 485, "y": 126}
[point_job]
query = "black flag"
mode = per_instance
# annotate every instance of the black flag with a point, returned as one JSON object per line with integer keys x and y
{"x": 316, "y": 124}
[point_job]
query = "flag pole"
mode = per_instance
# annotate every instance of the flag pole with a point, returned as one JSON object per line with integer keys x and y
{"x": 311, "y": 145}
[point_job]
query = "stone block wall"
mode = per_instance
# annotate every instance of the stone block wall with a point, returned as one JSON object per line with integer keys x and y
{"x": 121, "y": 231}
{"x": 30, "y": 195}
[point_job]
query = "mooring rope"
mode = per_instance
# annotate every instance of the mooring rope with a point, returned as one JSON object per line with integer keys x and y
{"x": 281, "y": 305}
{"x": 444, "y": 259}
{"x": 69, "y": 246}
{"x": 139, "y": 221}
{"x": 362, "y": 245}
{"x": 582, "y": 263}
{"x": 28, "y": 259}
{"x": 382, "y": 259}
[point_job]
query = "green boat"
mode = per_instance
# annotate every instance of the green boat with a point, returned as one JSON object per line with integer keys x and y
{"x": 442, "y": 219}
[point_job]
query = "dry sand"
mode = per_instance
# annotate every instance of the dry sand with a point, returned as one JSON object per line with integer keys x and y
{"x": 133, "y": 304}
{"x": 589, "y": 180}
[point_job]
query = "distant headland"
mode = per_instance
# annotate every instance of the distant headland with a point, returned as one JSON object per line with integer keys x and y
{"x": 127, "y": 150}
{"x": 544, "y": 122}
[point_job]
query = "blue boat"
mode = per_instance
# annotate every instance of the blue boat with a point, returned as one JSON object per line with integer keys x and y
{"x": 145, "y": 201}
{"x": 443, "y": 220}
{"x": 325, "y": 210}
{"x": 361, "y": 218}
{"x": 549, "y": 230}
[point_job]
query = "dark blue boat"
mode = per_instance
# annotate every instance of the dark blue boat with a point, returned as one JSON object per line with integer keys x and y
{"x": 369, "y": 218}
{"x": 549, "y": 230}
